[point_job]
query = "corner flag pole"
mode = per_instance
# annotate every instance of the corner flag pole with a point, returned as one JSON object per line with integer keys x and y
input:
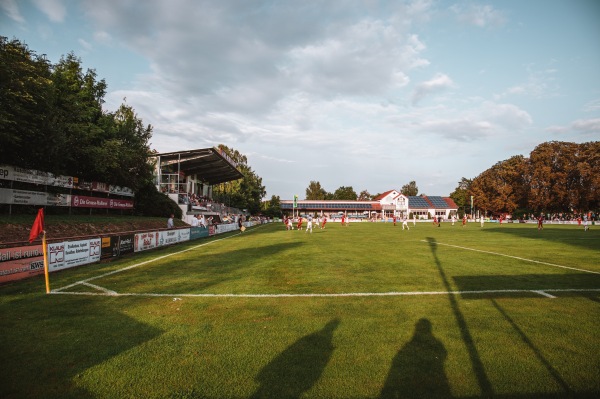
{"x": 45, "y": 251}
{"x": 36, "y": 230}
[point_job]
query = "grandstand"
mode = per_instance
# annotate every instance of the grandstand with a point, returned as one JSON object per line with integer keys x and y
{"x": 188, "y": 177}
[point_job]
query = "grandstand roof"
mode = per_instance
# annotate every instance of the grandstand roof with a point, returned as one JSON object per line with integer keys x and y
{"x": 210, "y": 164}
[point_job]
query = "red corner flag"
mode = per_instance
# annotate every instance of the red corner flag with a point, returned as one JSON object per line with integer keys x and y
{"x": 38, "y": 226}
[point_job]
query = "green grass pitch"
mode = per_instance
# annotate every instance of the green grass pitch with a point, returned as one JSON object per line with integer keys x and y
{"x": 365, "y": 311}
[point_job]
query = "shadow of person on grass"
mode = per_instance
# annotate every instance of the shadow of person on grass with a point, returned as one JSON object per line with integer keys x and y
{"x": 296, "y": 369}
{"x": 418, "y": 368}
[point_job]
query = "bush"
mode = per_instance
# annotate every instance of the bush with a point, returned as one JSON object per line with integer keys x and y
{"x": 151, "y": 202}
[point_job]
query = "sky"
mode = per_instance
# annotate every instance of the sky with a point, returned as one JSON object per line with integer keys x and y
{"x": 368, "y": 94}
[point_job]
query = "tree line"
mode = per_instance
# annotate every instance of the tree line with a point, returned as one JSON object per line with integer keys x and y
{"x": 557, "y": 177}
{"x": 52, "y": 119}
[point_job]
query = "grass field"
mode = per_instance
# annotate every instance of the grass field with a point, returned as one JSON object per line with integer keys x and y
{"x": 366, "y": 311}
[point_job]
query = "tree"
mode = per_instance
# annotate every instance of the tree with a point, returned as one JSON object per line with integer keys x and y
{"x": 364, "y": 196}
{"x": 501, "y": 189}
{"x": 25, "y": 88}
{"x": 273, "y": 207}
{"x": 460, "y": 195}
{"x": 410, "y": 189}
{"x": 51, "y": 119}
{"x": 125, "y": 149}
{"x": 245, "y": 193}
{"x": 314, "y": 191}
{"x": 588, "y": 169}
{"x": 564, "y": 176}
{"x": 76, "y": 119}
{"x": 345, "y": 193}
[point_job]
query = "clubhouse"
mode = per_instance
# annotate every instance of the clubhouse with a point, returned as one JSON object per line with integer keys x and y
{"x": 389, "y": 204}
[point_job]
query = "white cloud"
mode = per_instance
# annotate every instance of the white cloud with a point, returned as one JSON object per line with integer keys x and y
{"x": 227, "y": 55}
{"x": 585, "y": 127}
{"x": 55, "y": 10}
{"x": 540, "y": 83}
{"x": 11, "y": 9}
{"x": 436, "y": 84}
{"x": 87, "y": 46}
{"x": 479, "y": 15}
{"x": 102, "y": 37}
{"x": 483, "y": 121}
{"x": 322, "y": 90}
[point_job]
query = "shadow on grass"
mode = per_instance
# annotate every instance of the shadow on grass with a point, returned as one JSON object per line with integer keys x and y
{"x": 533, "y": 282}
{"x": 538, "y": 354}
{"x": 48, "y": 342}
{"x": 570, "y": 235}
{"x": 484, "y": 383}
{"x": 418, "y": 369}
{"x": 193, "y": 277}
{"x": 296, "y": 369}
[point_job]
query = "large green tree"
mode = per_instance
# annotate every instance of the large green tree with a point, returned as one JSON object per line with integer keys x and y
{"x": 51, "y": 119}
{"x": 345, "y": 193}
{"x": 25, "y": 95}
{"x": 124, "y": 150}
{"x": 410, "y": 189}
{"x": 314, "y": 191}
{"x": 77, "y": 118}
{"x": 245, "y": 193}
{"x": 460, "y": 195}
{"x": 273, "y": 207}
{"x": 365, "y": 196}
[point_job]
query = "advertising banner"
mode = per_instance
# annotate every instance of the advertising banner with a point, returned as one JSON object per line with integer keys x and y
{"x": 224, "y": 228}
{"x": 14, "y": 173}
{"x": 144, "y": 241}
{"x": 184, "y": 234}
{"x": 101, "y": 187}
{"x": 81, "y": 201}
{"x": 110, "y": 247}
{"x": 198, "y": 232}
{"x": 24, "y": 197}
{"x": 126, "y": 244}
{"x": 20, "y": 262}
{"x": 73, "y": 253}
{"x": 168, "y": 237}
{"x": 119, "y": 190}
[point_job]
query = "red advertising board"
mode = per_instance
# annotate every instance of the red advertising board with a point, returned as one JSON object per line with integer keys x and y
{"x": 81, "y": 201}
{"x": 21, "y": 262}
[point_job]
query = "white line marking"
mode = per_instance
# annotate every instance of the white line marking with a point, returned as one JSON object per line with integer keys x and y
{"x": 514, "y": 257}
{"x": 350, "y": 294}
{"x": 140, "y": 264}
{"x": 97, "y": 287}
{"x": 544, "y": 294}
